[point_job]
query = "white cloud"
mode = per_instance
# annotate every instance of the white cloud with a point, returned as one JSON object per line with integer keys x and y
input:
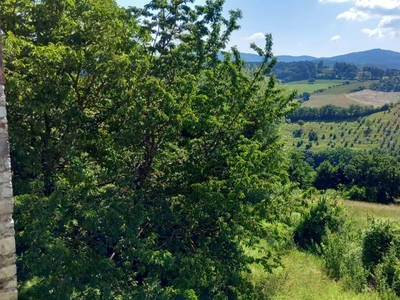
{"x": 373, "y": 32}
{"x": 256, "y": 36}
{"x": 335, "y": 38}
{"x": 387, "y": 11}
{"x": 354, "y": 14}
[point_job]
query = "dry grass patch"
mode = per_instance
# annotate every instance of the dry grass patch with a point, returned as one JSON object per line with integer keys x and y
{"x": 359, "y": 212}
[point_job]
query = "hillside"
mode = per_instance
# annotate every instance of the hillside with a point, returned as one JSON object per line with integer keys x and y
{"x": 379, "y": 130}
{"x": 375, "y": 57}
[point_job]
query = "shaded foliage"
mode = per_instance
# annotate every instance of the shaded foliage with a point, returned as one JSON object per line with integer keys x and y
{"x": 143, "y": 164}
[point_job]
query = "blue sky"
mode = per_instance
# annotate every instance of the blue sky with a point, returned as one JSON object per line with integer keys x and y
{"x": 321, "y": 28}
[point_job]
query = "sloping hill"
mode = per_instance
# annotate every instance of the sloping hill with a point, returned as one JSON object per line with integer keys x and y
{"x": 378, "y": 130}
{"x": 385, "y": 59}
{"x": 375, "y": 57}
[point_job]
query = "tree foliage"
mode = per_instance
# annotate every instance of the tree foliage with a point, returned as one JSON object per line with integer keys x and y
{"x": 378, "y": 173}
{"x": 142, "y": 164}
{"x": 333, "y": 113}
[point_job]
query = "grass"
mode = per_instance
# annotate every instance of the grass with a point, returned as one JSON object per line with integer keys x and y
{"x": 303, "y": 85}
{"x": 359, "y": 212}
{"x": 336, "y": 92}
{"x": 303, "y": 275}
{"x": 379, "y": 130}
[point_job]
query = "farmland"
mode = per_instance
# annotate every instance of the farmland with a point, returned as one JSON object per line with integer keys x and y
{"x": 379, "y": 130}
{"x": 337, "y": 92}
{"x": 303, "y": 85}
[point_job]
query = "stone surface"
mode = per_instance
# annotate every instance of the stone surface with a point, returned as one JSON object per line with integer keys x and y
{"x": 7, "y": 246}
{"x": 5, "y": 191}
{"x": 3, "y": 112}
{"x": 9, "y": 295}
{"x": 8, "y": 269}
{"x": 7, "y": 272}
{"x": 6, "y": 207}
{"x": 9, "y": 284}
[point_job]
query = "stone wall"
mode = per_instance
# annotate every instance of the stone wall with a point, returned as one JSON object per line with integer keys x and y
{"x": 8, "y": 270}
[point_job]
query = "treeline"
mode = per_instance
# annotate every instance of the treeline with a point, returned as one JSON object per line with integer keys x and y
{"x": 294, "y": 71}
{"x": 391, "y": 84}
{"x": 345, "y": 71}
{"x": 331, "y": 112}
{"x": 304, "y": 70}
{"x": 372, "y": 176}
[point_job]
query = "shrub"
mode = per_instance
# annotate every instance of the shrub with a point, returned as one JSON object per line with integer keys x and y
{"x": 378, "y": 239}
{"x": 324, "y": 215}
{"x": 356, "y": 193}
{"x": 342, "y": 256}
{"x": 388, "y": 275}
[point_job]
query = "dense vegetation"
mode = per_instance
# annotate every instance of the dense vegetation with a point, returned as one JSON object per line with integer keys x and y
{"x": 390, "y": 84}
{"x": 143, "y": 165}
{"x": 371, "y": 176}
{"x": 333, "y": 113}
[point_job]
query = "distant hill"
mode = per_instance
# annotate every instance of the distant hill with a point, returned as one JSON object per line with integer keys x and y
{"x": 384, "y": 59}
{"x": 254, "y": 58}
{"x": 289, "y": 58}
{"x": 375, "y": 57}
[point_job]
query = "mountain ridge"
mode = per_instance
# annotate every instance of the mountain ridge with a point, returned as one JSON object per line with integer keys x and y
{"x": 386, "y": 59}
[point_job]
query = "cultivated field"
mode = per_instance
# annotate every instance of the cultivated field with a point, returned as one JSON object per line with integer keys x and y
{"x": 303, "y": 85}
{"x": 379, "y": 130}
{"x": 374, "y": 98}
{"x": 338, "y": 93}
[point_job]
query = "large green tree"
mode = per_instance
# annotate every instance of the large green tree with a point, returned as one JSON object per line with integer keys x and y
{"x": 378, "y": 173}
{"x": 143, "y": 165}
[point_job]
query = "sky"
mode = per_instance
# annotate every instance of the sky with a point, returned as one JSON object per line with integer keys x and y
{"x": 320, "y": 28}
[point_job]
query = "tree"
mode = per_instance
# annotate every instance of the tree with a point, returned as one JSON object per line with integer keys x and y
{"x": 306, "y": 96}
{"x": 311, "y": 80}
{"x": 300, "y": 171}
{"x": 327, "y": 176}
{"x": 378, "y": 173}
{"x": 144, "y": 165}
{"x": 320, "y": 66}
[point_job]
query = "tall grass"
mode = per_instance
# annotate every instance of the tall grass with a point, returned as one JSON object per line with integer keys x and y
{"x": 304, "y": 275}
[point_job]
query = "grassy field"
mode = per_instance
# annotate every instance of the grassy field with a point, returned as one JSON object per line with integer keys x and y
{"x": 303, "y": 85}
{"x": 379, "y": 130}
{"x": 303, "y": 275}
{"x": 359, "y": 212}
{"x": 338, "y": 93}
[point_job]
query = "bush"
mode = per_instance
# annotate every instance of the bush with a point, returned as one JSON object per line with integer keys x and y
{"x": 356, "y": 193}
{"x": 324, "y": 215}
{"x": 342, "y": 256}
{"x": 378, "y": 239}
{"x": 388, "y": 275}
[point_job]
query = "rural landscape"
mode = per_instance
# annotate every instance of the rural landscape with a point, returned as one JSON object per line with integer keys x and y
{"x": 151, "y": 161}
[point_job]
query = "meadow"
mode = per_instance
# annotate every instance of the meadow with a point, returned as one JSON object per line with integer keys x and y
{"x": 303, "y": 274}
{"x": 337, "y": 92}
{"x": 304, "y": 86}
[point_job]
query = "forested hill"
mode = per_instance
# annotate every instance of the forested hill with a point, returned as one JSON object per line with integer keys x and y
{"x": 375, "y": 57}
